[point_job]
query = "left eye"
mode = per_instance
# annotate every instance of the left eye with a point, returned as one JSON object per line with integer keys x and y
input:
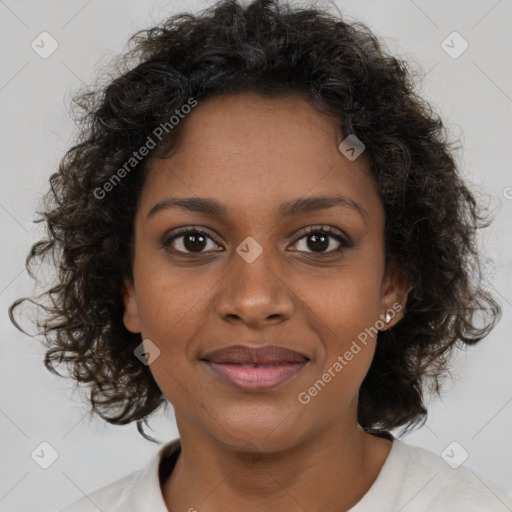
{"x": 319, "y": 237}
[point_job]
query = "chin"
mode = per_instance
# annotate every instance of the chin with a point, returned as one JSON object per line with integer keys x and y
{"x": 260, "y": 430}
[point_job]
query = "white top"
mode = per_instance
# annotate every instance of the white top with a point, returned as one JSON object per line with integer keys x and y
{"x": 411, "y": 480}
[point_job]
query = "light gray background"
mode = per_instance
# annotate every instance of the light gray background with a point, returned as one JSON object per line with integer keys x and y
{"x": 473, "y": 92}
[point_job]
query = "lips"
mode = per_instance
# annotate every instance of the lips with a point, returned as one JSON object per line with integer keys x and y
{"x": 255, "y": 369}
{"x": 240, "y": 354}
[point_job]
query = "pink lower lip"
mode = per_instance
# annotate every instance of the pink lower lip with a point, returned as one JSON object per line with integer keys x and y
{"x": 255, "y": 378}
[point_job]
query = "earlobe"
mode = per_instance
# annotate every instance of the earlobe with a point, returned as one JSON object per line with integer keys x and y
{"x": 131, "y": 312}
{"x": 395, "y": 290}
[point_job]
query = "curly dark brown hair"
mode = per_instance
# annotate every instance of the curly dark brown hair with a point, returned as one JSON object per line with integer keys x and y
{"x": 274, "y": 49}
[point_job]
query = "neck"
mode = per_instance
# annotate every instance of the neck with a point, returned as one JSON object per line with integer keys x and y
{"x": 331, "y": 471}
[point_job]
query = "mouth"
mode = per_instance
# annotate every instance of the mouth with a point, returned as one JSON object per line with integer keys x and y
{"x": 255, "y": 370}
{"x": 255, "y": 377}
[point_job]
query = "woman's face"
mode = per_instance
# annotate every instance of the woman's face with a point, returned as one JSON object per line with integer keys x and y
{"x": 256, "y": 277}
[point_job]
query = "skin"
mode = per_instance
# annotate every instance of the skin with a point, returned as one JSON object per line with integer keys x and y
{"x": 265, "y": 450}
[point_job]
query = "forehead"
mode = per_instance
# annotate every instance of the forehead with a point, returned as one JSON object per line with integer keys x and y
{"x": 250, "y": 151}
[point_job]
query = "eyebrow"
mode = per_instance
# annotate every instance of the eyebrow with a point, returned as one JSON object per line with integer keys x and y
{"x": 291, "y": 208}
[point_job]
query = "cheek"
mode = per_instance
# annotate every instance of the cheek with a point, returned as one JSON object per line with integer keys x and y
{"x": 343, "y": 311}
{"x": 344, "y": 318}
{"x": 173, "y": 306}
{"x": 347, "y": 302}
{"x": 169, "y": 296}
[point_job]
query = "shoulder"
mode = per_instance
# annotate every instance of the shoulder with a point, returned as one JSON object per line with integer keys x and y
{"x": 432, "y": 484}
{"x": 137, "y": 492}
{"x": 108, "y": 498}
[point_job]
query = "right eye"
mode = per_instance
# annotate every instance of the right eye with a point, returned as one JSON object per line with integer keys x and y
{"x": 189, "y": 240}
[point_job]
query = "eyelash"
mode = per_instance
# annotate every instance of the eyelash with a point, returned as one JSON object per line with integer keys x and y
{"x": 345, "y": 243}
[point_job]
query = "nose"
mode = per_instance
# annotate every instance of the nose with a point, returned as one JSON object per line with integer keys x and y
{"x": 255, "y": 293}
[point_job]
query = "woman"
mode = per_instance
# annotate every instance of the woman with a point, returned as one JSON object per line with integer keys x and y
{"x": 263, "y": 225}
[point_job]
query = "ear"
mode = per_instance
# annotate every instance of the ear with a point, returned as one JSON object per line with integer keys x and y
{"x": 394, "y": 292}
{"x": 131, "y": 312}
